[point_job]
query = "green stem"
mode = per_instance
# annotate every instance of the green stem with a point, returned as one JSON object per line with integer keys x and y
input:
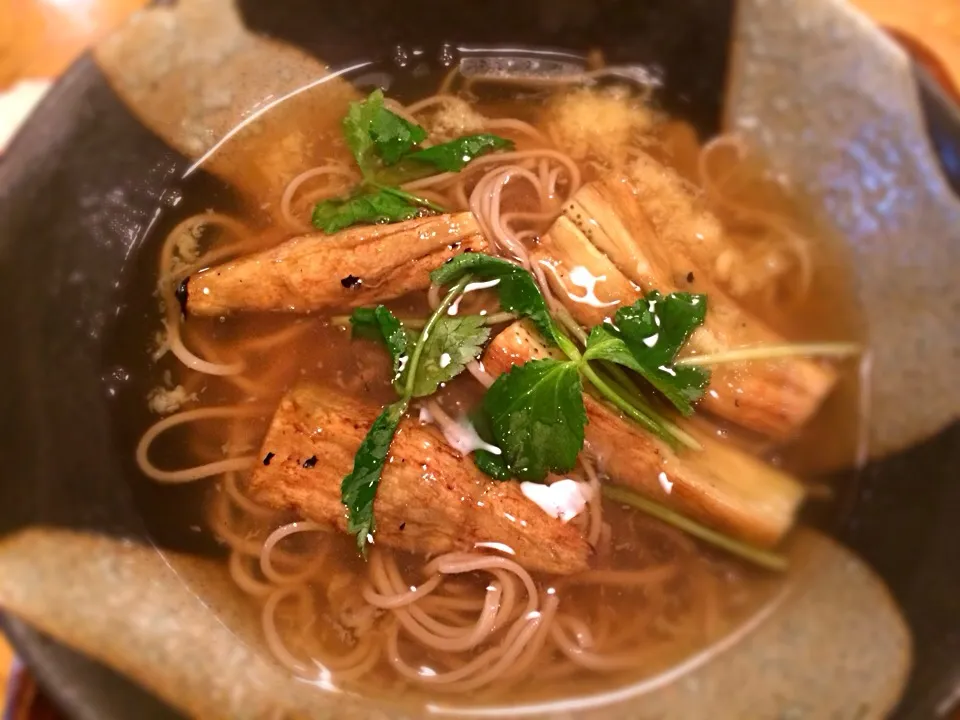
{"x": 634, "y": 395}
{"x": 567, "y": 345}
{"x": 344, "y": 321}
{"x": 619, "y": 384}
{"x": 614, "y": 371}
{"x": 409, "y": 197}
{"x": 614, "y": 397}
{"x": 758, "y": 556}
{"x": 497, "y": 318}
{"x": 642, "y": 415}
{"x": 569, "y": 322}
{"x": 625, "y": 383}
{"x": 571, "y": 351}
{"x": 418, "y": 323}
{"x": 447, "y": 301}
{"x": 774, "y": 352}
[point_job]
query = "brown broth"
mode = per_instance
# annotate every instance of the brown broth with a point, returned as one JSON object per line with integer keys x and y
{"x": 324, "y": 353}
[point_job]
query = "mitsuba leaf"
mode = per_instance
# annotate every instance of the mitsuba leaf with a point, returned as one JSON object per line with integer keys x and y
{"x": 489, "y": 463}
{"x": 356, "y": 129}
{"x": 453, "y": 156}
{"x": 516, "y": 287}
{"x": 364, "y": 323}
{"x": 494, "y": 466}
{"x": 412, "y": 199}
{"x": 393, "y": 136}
{"x": 433, "y": 358}
{"x": 605, "y": 343}
{"x": 451, "y": 344}
{"x": 647, "y": 336}
{"x": 374, "y": 132}
{"x": 381, "y": 206}
{"x": 537, "y": 417}
{"x": 359, "y": 488}
{"x": 382, "y": 325}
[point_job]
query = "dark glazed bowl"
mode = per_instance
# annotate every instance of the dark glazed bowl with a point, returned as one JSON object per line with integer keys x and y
{"x": 81, "y": 185}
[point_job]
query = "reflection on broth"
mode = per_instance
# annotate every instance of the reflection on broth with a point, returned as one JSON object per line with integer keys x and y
{"x": 572, "y": 484}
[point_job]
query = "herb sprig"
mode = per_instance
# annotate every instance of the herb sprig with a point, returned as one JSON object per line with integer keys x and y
{"x": 647, "y": 336}
{"x": 374, "y": 207}
{"x": 359, "y": 489}
{"x": 535, "y": 411}
{"x": 757, "y": 555}
{"x": 419, "y": 369}
{"x": 537, "y": 417}
{"x": 534, "y": 414}
{"x": 387, "y": 150}
{"x": 453, "y": 156}
{"x": 515, "y": 286}
{"x": 373, "y": 132}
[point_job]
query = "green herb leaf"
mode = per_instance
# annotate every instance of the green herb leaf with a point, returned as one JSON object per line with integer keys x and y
{"x": 450, "y": 345}
{"x": 371, "y": 131}
{"x": 381, "y": 206}
{"x": 394, "y": 136}
{"x": 359, "y": 488}
{"x": 494, "y": 466}
{"x": 488, "y": 462}
{"x": 356, "y": 129}
{"x": 537, "y": 417}
{"x": 364, "y": 324}
{"x": 411, "y": 198}
{"x": 380, "y": 324}
{"x": 647, "y": 336}
{"x": 453, "y": 156}
{"x": 517, "y": 289}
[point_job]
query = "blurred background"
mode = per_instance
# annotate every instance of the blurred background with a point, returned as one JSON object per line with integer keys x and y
{"x": 40, "y": 38}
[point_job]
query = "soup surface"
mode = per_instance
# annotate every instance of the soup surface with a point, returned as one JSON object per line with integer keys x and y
{"x": 587, "y": 589}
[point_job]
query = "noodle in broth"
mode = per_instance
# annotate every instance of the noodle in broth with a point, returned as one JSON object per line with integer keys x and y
{"x": 459, "y": 622}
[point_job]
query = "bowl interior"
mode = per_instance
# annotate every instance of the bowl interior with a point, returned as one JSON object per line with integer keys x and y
{"x": 82, "y": 184}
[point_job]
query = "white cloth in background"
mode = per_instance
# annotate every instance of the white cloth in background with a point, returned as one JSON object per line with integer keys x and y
{"x": 16, "y": 104}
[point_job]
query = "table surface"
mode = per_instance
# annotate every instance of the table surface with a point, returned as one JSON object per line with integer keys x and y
{"x": 40, "y": 38}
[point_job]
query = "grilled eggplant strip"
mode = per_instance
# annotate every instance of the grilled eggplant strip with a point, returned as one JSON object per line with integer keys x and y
{"x": 604, "y": 230}
{"x": 582, "y": 277}
{"x": 430, "y": 499}
{"x": 718, "y": 486}
{"x": 360, "y": 266}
